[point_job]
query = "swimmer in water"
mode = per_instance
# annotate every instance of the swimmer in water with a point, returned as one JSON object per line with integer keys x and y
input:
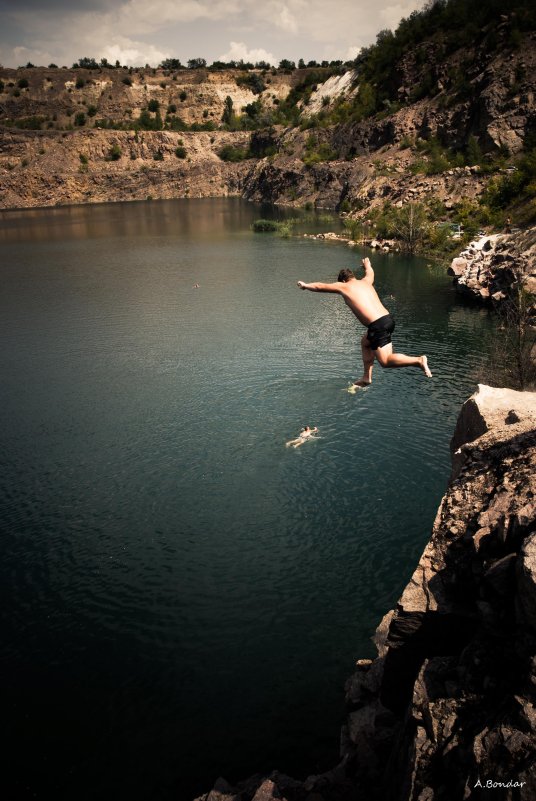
{"x": 306, "y": 433}
{"x": 362, "y": 299}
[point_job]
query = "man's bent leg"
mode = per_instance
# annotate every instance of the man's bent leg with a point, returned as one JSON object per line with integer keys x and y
{"x": 388, "y": 359}
{"x": 368, "y": 362}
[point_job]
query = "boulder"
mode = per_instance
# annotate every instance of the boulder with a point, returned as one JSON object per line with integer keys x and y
{"x": 489, "y": 408}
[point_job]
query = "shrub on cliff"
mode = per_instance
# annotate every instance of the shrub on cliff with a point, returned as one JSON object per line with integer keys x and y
{"x": 233, "y": 153}
{"x": 252, "y": 81}
{"x": 175, "y": 124}
{"x": 33, "y": 123}
{"x": 148, "y": 123}
{"x": 316, "y": 151}
{"x": 114, "y": 154}
{"x": 180, "y": 151}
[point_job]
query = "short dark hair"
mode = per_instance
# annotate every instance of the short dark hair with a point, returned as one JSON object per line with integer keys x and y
{"x": 345, "y": 275}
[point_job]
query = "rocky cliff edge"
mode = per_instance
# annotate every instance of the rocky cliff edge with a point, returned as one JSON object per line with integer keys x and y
{"x": 446, "y": 710}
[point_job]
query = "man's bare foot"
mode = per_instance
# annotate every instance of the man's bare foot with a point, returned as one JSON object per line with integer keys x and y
{"x": 361, "y": 383}
{"x": 424, "y": 367}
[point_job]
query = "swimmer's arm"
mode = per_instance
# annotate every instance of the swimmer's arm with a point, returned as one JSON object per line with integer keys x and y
{"x": 369, "y": 272}
{"x": 317, "y": 286}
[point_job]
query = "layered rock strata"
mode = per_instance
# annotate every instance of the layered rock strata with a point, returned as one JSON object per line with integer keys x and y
{"x": 446, "y": 710}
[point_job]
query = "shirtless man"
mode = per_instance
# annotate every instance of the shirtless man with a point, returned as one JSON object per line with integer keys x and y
{"x": 362, "y": 299}
{"x": 306, "y": 433}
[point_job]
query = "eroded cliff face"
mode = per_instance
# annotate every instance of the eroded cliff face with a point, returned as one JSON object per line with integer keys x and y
{"x": 49, "y": 169}
{"x": 446, "y": 710}
{"x": 475, "y": 91}
{"x": 449, "y": 702}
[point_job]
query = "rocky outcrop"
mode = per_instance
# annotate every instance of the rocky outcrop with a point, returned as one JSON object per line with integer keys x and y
{"x": 488, "y": 268}
{"x": 448, "y": 704}
{"x": 446, "y": 710}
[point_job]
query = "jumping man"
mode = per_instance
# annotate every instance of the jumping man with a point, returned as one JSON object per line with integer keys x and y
{"x": 362, "y": 299}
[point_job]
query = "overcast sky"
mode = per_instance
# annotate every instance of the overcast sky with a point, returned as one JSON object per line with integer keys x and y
{"x": 145, "y": 31}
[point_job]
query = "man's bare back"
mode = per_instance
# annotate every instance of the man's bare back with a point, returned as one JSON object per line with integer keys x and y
{"x": 363, "y": 300}
{"x": 358, "y": 294}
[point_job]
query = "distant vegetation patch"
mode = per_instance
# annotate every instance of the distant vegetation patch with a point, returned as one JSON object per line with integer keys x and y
{"x": 233, "y": 153}
{"x": 265, "y": 226}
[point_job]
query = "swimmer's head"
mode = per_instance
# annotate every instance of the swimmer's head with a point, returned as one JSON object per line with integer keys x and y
{"x": 345, "y": 275}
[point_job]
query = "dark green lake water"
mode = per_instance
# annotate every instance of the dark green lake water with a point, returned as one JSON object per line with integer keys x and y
{"x": 183, "y": 596}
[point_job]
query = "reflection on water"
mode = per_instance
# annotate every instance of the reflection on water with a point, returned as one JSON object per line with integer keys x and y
{"x": 202, "y": 218}
{"x": 183, "y": 595}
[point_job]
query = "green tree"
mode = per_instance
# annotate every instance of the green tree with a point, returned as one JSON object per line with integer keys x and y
{"x": 473, "y": 151}
{"x": 86, "y": 64}
{"x": 228, "y": 114}
{"x": 196, "y": 63}
{"x": 171, "y": 64}
{"x": 410, "y": 224}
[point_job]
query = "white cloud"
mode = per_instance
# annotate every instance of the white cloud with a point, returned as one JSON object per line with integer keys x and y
{"x": 131, "y": 53}
{"x": 144, "y": 30}
{"x": 238, "y": 51}
{"x": 394, "y": 13}
{"x": 139, "y": 17}
{"x": 351, "y": 53}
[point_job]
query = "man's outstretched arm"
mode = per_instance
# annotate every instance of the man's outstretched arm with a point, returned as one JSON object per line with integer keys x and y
{"x": 369, "y": 272}
{"x": 317, "y": 286}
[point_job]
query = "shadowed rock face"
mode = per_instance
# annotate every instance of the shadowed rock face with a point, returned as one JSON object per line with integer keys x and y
{"x": 446, "y": 710}
{"x": 456, "y": 660}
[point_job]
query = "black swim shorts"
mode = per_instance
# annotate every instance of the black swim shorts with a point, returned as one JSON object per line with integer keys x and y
{"x": 379, "y": 332}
